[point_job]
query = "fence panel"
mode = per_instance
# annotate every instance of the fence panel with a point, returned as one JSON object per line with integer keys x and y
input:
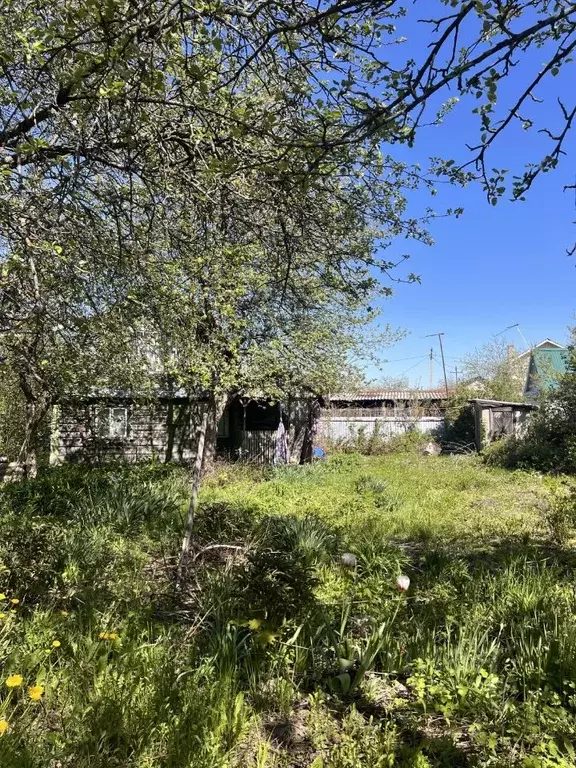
{"x": 348, "y": 427}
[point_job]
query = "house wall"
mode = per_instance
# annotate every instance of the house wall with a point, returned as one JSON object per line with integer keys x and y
{"x": 155, "y": 430}
{"x": 166, "y": 430}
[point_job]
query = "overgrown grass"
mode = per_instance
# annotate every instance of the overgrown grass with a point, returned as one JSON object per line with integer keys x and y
{"x": 273, "y": 652}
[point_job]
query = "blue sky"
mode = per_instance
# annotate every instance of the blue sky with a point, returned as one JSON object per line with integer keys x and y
{"x": 494, "y": 266}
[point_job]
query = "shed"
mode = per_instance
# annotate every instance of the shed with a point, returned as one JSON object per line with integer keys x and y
{"x": 495, "y": 419}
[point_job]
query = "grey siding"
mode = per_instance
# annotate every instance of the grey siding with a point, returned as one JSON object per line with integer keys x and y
{"x": 342, "y": 428}
{"x": 154, "y": 430}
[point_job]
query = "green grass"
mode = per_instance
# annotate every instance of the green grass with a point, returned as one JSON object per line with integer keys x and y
{"x": 272, "y": 653}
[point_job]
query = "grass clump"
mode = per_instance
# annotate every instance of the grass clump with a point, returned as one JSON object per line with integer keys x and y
{"x": 275, "y": 651}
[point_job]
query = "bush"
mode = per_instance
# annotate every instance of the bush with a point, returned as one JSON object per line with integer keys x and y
{"x": 560, "y": 514}
{"x": 460, "y": 424}
{"x": 549, "y": 444}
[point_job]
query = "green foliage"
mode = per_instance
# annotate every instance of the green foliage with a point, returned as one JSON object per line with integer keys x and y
{"x": 494, "y": 372}
{"x": 560, "y": 513}
{"x": 273, "y": 652}
{"x": 375, "y": 444}
{"x": 549, "y": 444}
{"x": 460, "y": 422}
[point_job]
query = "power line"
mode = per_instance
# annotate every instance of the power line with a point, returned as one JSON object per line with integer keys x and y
{"x": 424, "y": 357}
{"x": 403, "y": 359}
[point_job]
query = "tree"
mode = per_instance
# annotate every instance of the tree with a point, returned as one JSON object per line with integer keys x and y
{"x": 67, "y": 319}
{"x": 391, "y": 382}
{"x": 195, "y": 140}
{"x": 494, "y": 371}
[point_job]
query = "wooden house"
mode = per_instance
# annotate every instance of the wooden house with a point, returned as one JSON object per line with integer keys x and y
{"x": 116, "y": 425}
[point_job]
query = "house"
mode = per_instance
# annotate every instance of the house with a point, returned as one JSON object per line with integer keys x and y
{"x": 347, "y": 416}
{"x": 390, "y": 401}
{"x": 117, "y": 425}
{"x": 538, "y": 368}
{"x": 545, "y": 367}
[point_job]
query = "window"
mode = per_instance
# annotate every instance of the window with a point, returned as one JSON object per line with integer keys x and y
{"x": 113, "y": 423}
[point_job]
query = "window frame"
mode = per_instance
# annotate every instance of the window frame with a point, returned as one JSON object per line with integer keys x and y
{"x": 107, "y": 422}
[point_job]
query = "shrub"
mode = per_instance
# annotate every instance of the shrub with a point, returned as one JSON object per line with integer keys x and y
{"x": 549, "y": 444}
{"x": 560, "y": 513}
{"x": 375, "y": 444}
{"x": 460, "y": 423}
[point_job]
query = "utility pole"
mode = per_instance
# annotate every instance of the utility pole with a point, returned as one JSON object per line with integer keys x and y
{"x": 442, "y": 354}
{"x": 431, "y": 368}
{"x": 456, "y": 374}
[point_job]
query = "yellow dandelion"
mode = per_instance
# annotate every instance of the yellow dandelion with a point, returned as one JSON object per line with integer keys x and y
{"x": 2, "y": 596}
{"x": 14, "y": 601}
{"x": 14, "y": 681}
{"x": 108, "y": 636}
{"x": 56, "y": 644}
{"x": 4, "y": 726}
{"x": 64, "y": 613}
{"x": 2, "y": 615}
{"x": 35, "y": 692}
{"x": 266, "y": 637}
{"x": 254, "y": 624}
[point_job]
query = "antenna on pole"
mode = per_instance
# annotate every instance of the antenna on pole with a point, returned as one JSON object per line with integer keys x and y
{"x": 429, "y": 335}
{"x": 510, "y": 327}
{"x": 431, "y": 368}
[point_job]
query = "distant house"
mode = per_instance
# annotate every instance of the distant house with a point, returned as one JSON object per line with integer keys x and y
{"x": 390, "y": 401}
{"x": 544, "y": 370}
{"x": 346, "y": 416}
{"x": 538, "y": 368}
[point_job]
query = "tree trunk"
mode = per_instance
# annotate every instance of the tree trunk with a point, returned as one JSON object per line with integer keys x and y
{"x": 311, "y": 429}
{"x": 216, "y": 407}
{"x": 195, "y": 487}
{"x": 28, "y": 457}
{"x": 206, "y": 449}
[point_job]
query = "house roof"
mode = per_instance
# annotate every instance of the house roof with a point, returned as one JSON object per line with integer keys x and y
{"x": 390, "y": 394}
{"x": 547, "y": 365}
{"x": 555, "y": 344}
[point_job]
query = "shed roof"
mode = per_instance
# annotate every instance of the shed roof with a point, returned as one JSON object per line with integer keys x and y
{"x": 498, "y": 403}
{"x": 390, "y": 394}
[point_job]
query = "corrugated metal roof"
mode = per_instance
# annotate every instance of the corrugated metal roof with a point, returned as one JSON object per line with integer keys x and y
{"x": 496, "y": 403}
{"x": 550, "y": 364}
{"x": 389, "y": 394}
